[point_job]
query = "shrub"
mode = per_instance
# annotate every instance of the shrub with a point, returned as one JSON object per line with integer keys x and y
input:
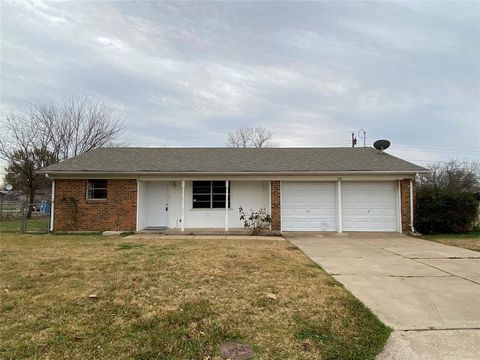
{"x": 445, "y": 211}
{"x": 256, "y": 220}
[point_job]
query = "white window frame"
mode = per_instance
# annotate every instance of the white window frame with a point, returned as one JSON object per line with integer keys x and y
{"x": 227, "y": 189}
{"x": 87, "y": 192}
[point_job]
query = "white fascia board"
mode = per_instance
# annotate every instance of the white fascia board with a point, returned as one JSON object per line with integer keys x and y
{"x": 369, "y": 177}
{"x": 231, "y": 175}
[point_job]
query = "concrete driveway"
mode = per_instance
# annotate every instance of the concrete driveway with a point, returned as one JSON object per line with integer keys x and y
{"x": 427, "y": 292}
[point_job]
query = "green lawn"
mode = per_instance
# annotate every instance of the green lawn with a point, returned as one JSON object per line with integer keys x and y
{"x": 33, "y": 225}
{"x": 469, "y": 240}
{"x": 174, "y": 299}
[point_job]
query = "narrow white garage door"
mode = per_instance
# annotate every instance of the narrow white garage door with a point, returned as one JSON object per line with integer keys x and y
{"x": 369, "y": 206}
{"x": 308, "y": 207}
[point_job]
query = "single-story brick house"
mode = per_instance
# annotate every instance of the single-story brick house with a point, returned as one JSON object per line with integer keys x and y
{"x": 304, "y": 189}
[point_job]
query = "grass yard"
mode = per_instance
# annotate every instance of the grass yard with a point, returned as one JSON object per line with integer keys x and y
{"x": 174, "y": 299}
{"x": 39, "y": 224}
{"x": 469, "y": 241}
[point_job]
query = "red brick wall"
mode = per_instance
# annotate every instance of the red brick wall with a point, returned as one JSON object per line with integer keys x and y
{"x": 405, "y": 202}
{"x": 275, "y": 210}
{"x": 73, "y": 212}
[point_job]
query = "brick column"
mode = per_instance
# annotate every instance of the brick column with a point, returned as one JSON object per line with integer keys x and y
{"x": 275, "y": 210}
{"x": 405, "y": 202}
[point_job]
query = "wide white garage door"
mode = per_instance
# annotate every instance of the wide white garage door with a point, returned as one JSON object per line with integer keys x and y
{"x": 369, "y": 206}
{"x": 308, "y": 207}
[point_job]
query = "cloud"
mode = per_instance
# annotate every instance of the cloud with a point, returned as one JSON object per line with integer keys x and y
{"x": 187, "y": 73}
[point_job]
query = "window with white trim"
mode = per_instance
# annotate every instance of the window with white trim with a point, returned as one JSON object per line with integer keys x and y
{"x": 96, "y": 189}
{"x": 210, "y": 194}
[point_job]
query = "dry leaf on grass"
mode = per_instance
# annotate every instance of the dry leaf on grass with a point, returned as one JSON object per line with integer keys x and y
{"x": 92, "y": 296}
{"x": 272, "y": 296}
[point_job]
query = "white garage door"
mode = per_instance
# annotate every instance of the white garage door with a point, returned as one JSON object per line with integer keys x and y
{"x": 308, "y": 207}
{"x": 369, "y": 206}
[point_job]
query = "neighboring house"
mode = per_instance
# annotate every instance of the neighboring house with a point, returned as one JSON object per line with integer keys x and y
{"x": 304, "y": 189}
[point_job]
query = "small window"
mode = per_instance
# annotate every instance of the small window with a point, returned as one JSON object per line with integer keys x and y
{"x": 96, "y": 189}
{"x": 210, "y": 194}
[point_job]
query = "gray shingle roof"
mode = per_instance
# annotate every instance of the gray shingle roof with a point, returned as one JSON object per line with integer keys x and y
{"x": 232, "y": 160}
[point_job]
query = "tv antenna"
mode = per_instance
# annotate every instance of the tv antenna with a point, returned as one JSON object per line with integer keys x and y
{"x": 381, "y": 145}
{"x": 362, "y": 134}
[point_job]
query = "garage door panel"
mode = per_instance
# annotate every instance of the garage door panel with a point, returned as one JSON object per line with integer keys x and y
{"x": 369, "y": 206}
{"x": 308, "y": 207}
{"x": 382, "y": 213}
{"x": 323, "y": 224}
{"x": 366, "y": 206}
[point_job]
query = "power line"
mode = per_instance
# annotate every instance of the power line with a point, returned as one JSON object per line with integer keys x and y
{"x": 445, "y": 150}
{"x": 463, "y": 147}
{"x": 441, "y": 152}
{"x": 443, "y": 161}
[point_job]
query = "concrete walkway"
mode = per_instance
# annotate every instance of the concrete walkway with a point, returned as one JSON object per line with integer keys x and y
{"x": 427, "y": 292}
{"x": 154, "y": 236}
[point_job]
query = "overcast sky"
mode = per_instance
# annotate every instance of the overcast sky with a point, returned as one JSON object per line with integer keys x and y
{"x": 187, "y": 73}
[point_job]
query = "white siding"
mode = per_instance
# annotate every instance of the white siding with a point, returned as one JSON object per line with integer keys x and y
{"x": 247, "y": 194}
{"x": 175, "y": 203}
{"x": 369, "y": 206}
{"x": 308, "y": 206}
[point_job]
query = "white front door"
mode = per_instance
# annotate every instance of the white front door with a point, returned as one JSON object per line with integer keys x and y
{"x": 369, "y": 206}
{"x": 156, "y": 203}
{"x": 308, "y": 206}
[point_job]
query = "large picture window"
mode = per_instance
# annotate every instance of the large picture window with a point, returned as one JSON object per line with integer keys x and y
{"x": 210, "y": 194}
{"x": 96, "y": 189}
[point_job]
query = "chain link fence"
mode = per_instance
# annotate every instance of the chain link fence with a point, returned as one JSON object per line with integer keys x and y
{"x": 24, "y": 218}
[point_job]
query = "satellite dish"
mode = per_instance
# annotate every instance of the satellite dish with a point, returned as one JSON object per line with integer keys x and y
{"x": 9, "y": 187}
{"x": 381, "y": 144}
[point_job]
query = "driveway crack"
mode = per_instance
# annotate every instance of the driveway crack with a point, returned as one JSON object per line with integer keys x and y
{"x": 432, "y": 266}
{"x": 440, "y": 329}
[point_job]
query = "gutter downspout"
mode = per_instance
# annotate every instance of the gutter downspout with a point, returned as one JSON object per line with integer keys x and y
{"x": 412, "y": 228}
{"x": 52, "y": 206}
{"x": 182, "y": 226}
{"x": 137, "y": 218}
{"x": 270, "y": 202}
{"x": 226, "y": 204}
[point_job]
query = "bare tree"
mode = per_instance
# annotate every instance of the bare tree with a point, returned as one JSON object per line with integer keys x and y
{"x": 22, "y": 170}
{"x": 248, "y": 137}
{"x": 52, "y": 132}
{"x": 78, "y": 124}
{"x": 453, "y": 175}
{"x": 24, "y": 147}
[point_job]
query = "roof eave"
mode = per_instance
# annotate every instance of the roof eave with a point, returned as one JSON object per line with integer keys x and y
{"x": 175, "y": 173}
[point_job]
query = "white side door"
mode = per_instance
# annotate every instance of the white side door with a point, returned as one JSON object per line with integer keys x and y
{"x": 156, "y": 207}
